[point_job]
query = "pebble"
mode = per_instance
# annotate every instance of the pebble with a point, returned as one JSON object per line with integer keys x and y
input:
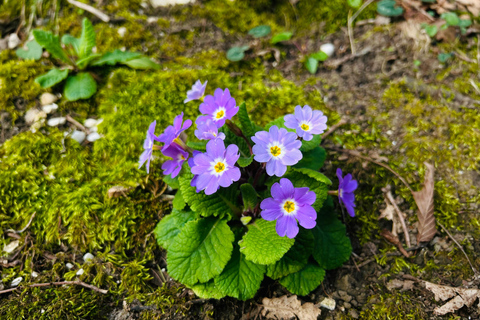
{"x": 50, "y": 107}
{"x": 16, "y": 281}
{"x": 93, "y": 136}
{"x": 121, "y": 31}
{"x": 13, "y": 41}
{"x": 3, "y": 44}
{"x": 328, "y": 303}
{"x": 69, "y": 265}
{"x": 90, "y": 123}
{"x": 34, "y": 115}
{"x": 78, "y": 136}
{"x": 47, "y": 98}
{"x": 344, "y": 296}
{"x": 328, "y": 48}
{"x": 88, "y": 256}
{"x": 9, "y": 248}
{"x": 53, "y": 122}
{"x": 353, "y": 313}
{"x": 34, "y": 274}
{"x": 152, "y": 20}
{"x": 80, "y": 272}
{"x": 347, "y": 305}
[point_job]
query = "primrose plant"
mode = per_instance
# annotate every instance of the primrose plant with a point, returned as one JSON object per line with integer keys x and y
{"x": 250, "y": 201}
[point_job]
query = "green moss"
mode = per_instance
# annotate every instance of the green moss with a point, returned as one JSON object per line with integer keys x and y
{"x": 393, "y": 306}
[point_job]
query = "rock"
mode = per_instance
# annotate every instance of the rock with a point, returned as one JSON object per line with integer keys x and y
{"x": 80, "y": 272}
{"x": 9, "y": 248}
{"x": 152, "y": 20}
{"x": 347, "y": 305}
{"x": 90, "y": 123}
{"x": 93, "y": 136}
{"x": 344, "y": 296}
{"x": 88, "y": 257}
{"x": 13, "y": 41}
{"x": 69, "y": 265}
{"x": 122, "y": 31}
{"x": 328, "y": 48}
{"x": 47, "y": 98}
{"x": 344, "y": 283}
{"x": 3, "y": 44}
{"x": 16, "y": 281}
{"x": 162, "y": 3}
{"x": 53, "y": 122}
{"x": 78, "y": 136}
{"x": 34, "y": 115}
{"x": 353, "y": 313}
{"x": 34, "y": 274}
{"x": 50, "y": 107}
{"x": 328, "y": 303}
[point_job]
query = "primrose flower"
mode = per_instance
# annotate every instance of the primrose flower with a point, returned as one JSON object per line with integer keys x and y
{"x": 289, "y": 205}
{"x": 148, "y": 145}
{"x": 306, "y": 122}
{"x": 207, "y": 130}
{"x": 219, "y": 107}
{"x": 171, "y": 133}
{"x": 216, "y": 168}
{"x": 178, "y": 156}
{"x": 198, "y": 89}
{"x": 345, "y": 191}
{"x": 278, "y": 148}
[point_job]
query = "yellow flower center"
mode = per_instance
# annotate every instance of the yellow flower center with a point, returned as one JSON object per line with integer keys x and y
{"x": 289, "y": 206}
{"x": 275, "y": 151}
{"x": 220, "y": 114}
{"x": 219, "y": 167}
{"x": 182, "y": 157}
{"x": 305, "y": 127}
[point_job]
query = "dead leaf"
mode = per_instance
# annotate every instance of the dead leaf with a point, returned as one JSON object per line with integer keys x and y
{"x": 424, "y": 201}
{"x": 289, "y": 307}
{"x": 472, "y": 5}
{"x": 389, "y": 214}
{"x": 461, "y": 297}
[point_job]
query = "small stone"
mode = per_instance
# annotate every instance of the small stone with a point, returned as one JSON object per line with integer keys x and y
{"x": 93, "y": 136}
{"x": 344, "y": 283}
{"x": 16, "y": 281}
{"x": 328, "y": 48}
{"x": 347, "y": 305}
{"x": 353, "y": 313}
{"x": 344, "y": 296}
{"x": 152, "y": 20}
{"x": 3, "y": 44}
{"x": 88, "y": 256}
{"x": 53, "y": 122}
{"x": 50, "y": 107}
{"x": 34, "y": 274}
{"x": 328, "y": 303}
{"x": 121, "y": 31}
{"x": 80, "y": 272}
{"x": 78, "y": 136}
{"x": 9, "y": 248}
{"x": 47, "y": 98}
{"x": 69, "y": 265}
{"x": 90, "y": 123}
{"x": 34, "y": 115}
{"x": 13, "y": 41}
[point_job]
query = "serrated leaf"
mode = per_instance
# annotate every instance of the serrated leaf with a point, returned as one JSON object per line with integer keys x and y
{"x": 87, "y": 39}
{"x": 312, "y": 159}
{"x": 199, "y": 146}
{"x": 117, "y": 56}
{"x": 304, "y": 281}
{"x": 316, "y": 181}
{"x": 80, "y": 86}
{"x": 172, "y": 183}
{"x": 207, "y": 290}
{"x": 241, "y": 278}
{"x": 261, "y": 244}
{"x": 231, "y": 138}
{"x": 245, "y": 123}
{"x": 141, "y": 63}
{"x": 244, "y": 162}
{"x": 312, "y": 65}
{"x": 51, "y": 78}
{"x": 332, "y": 247}
{"x": 34, "y": 51}
{"x": 295, "y": 259}
{"x": 200, "y": 251}
{"x": 260, "y": 31}
{"x": 389, "y": 8}
{"x": 83, "y": 63}
{"x": 178, "y": 202}
{"x": 236, "y": 53}
{"x": 282, "y": 36}
{"x": 219, "y": 204}
{"x": 51, "y": 43}
{"x": 309, "y": 145}
{"x": 171, "y": 225}
{"x": 69, "y": 40}
{"x": 249, "y": 196}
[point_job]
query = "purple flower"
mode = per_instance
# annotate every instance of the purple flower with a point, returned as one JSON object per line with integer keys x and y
{"x": 219, "y": 107}
{"x": 216, "y": 167}
{"x": 198, "y": 89}
{"x": 178, "y": 156}
{"x": 289, "y": 205}
{"x": 306, "y": 122}
{"x": 148, "y": 146}
{"x": 345, "y": 191}
{"x": 207, "y": 130}
{"x": 172, "y": 132}
{"x": 191, "y": 164}
{"x": 278, "y": 148}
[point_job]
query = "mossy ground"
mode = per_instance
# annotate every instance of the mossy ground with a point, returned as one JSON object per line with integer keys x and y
{"x": 66, "y": 184}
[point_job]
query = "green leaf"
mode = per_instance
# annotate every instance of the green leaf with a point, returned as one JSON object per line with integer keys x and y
{"x": 312, "y": 65}
{"x": 260, "y": 31}
{"x": 444, "y": 57}
{"x": 236, "y": 53}
{"x": 354, "y": 3}
{"x": 178, "y": 202}
{"x": 117, "y": 56}
{"x": 465, "y": 23}
{"x": 312, "y": 144}
{"x": 249, "y": 196}
{"x": 431, "y": 30}
{"x": 320, "y": 56}
{"x": 172, "y": 182}
{"x": 80, "y": 86}
{"x": 332, "y": 247}
{"x": 244, "y": 121}
{"x": 389, "y": 8}
{"x": 241, "y": 278}
{"x": 199, "y": 146}
{"x": 200, "y": 251}
{"x": 244, "y": 162}
{"x": 316, "y": 181}
{"x": 34, "y": 51}
{"x": 295, "y": 259}
{"x": 87, "y": 39}
{"x": 304, "y": 281}
{"x": 141, "y": 63}
{"x": 232, "y": 138}
{"x": 207, "y": 290}
{"x": 171, "y": 225}
{"x": 69, "y": 40}
{"x": 282, "y": 36}
{"x": 451, "y": 18}
{"x": 51, "y": 43}
{"x": 51, "y": 78}
{"x": 83, "y": 63}
{"x": 312, "y": 159}
{"x": 219, "y": 204}
{"x": 261, "y": 244}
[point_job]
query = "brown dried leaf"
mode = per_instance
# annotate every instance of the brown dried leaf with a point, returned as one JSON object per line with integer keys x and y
{"x": 472, "y": 5}
{"x": 461, "y": 297}
{"x": 424, "y": 201}
{"x": 389, "y": 214}
{"x": 289, "y": 307}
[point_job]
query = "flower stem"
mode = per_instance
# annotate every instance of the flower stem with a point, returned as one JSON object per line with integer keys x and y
{"x": 238, "y": 132}
{"x": 333, "y": 192}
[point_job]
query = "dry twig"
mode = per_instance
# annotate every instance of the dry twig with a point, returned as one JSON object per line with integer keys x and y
{"x": 102, "y": 16}
{"x": 26, "y": 227}
{"x": 400, "y": 215}
{"x": 59, "y": 283}
{"x": 394, "y": 240}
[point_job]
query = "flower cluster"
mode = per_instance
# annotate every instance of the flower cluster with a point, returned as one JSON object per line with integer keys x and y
{"x": 273, "y": 152}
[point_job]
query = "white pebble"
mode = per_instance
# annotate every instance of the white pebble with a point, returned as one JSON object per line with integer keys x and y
{"x": 328, "y": 303}
{"x": 53, "y": 122}
{"x": 34, "y": 115}
{"x": 78, "y": 136}
{"x": 328, "y": 48}
{"x": 9, "y": 248}
{"x": 69, "y": 265}
{"x": 50, "y": 107}
{"x": 16, "y": 281}
{"x": 13, "y": 41}
{"x": 34, "y": 274}
{"x": 152, "y": 20}
{"x": 47, "y": 98}
{"x": 93, "y": 136}
{"x": 80, "y": 272}
{"x": 88, "y": 256}
{"x": 121, "y": 31}
{"x": 90, "y": 123}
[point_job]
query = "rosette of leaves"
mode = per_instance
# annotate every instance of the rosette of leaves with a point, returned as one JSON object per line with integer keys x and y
{"x": 76, "y": 59}
{"x": 218, "y": 245}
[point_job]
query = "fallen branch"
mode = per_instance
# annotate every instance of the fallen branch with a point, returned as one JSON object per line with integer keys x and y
{"x": 102, "y": 16}
{"x": 60, "y": 283}
{"x": 394, "y": 240}
{"x": 400, "y": 215}
{"x": 77, "y": 124}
